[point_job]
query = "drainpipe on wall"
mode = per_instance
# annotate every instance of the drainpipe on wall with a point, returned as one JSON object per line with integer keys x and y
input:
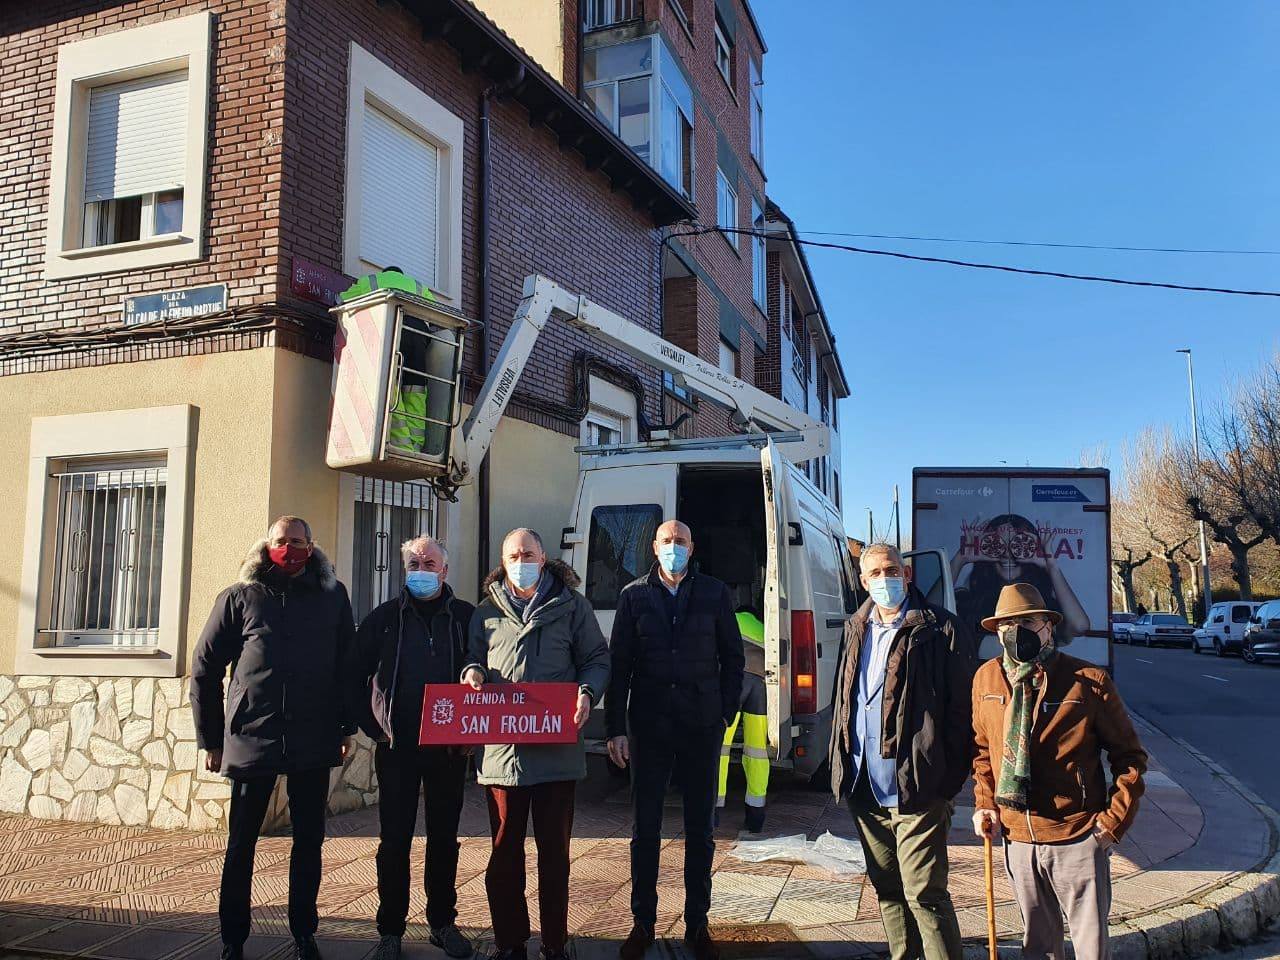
{"x": 482, "y": 481}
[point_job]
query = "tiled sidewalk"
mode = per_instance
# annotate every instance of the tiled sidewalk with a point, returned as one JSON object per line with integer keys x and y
{"x": 122, "y": 893}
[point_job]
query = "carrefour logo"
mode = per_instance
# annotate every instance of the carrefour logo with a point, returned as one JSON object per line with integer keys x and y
{"x": 1057, "y": 493}
{"x": 983, "y": 491}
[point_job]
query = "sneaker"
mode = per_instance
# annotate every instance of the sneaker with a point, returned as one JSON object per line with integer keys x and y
{"x": 703, "y": 947}
{"x": 232, "y": 951}
{"x": 638, "y": 941}
{"x": 306, "y": 949}
{"x": 451, "y": 941}
{"x": 753, "y": 820}
{"x": 388, "y": 949}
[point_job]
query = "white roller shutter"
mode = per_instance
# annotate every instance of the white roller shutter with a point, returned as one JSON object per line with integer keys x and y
{"x": 399, "y": 193}
{"x": 137, "y": 140}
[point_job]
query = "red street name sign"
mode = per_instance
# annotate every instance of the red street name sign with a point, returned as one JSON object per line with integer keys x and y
{"x": 456, "y": 715}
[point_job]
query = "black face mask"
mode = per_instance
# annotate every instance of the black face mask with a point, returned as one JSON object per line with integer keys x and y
{"x": 1023, "y": 644}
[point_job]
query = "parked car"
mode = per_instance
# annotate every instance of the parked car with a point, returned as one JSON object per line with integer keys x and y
{"x": 1152, "y": 629}
{"x": 1262, "y": 638}
{"x": 1121, "y": 624}
{"x": 1224, "y": 628}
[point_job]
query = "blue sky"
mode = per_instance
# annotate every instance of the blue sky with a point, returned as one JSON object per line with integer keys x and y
{"x": 1136, "y": 123}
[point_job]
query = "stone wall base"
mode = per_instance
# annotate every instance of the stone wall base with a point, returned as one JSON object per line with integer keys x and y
{"x": 123, "y": 751}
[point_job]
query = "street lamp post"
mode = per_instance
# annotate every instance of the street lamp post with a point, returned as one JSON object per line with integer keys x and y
{"x": 1206, "y": 590}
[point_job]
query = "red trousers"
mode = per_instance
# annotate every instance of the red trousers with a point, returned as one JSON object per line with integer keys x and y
{"x": 509, "y": 807}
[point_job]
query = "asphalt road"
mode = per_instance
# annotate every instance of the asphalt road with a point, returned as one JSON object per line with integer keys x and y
{"x": 1226, "y": 708}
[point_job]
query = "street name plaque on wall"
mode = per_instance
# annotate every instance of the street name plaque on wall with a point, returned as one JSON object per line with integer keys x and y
{"x": 175, "y": 304}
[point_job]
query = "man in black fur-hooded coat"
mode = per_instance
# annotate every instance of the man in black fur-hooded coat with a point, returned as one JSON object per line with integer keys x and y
{"x": 285, "y": 629}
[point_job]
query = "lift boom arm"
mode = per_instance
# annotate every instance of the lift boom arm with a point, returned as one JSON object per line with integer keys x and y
{"x": 543, "y": 299}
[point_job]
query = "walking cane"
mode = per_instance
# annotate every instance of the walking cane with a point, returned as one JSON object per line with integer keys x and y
{"x": 991, "y": 898}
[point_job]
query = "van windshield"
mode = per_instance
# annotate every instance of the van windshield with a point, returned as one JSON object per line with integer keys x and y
{"x": 620, "y": 549}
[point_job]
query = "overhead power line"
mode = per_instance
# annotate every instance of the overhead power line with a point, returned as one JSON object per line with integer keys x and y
{"x": 1038, "y": 243}
{"x": 1003, "y": 268}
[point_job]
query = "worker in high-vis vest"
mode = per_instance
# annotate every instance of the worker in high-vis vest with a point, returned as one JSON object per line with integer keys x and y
{"x": 408, "y": 427}
{"x": 752, "y": 714}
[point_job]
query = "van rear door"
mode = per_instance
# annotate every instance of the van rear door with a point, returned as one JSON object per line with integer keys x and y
{"x": 611, "y": 540}
{"x": 931, "y": 575}
{"x": 781, "y": 524}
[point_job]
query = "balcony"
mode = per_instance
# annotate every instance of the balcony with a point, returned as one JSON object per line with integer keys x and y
{"x": 599, "y": 14}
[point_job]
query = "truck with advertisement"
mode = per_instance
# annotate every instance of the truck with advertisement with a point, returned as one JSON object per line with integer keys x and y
{"x": 998, "y": 525}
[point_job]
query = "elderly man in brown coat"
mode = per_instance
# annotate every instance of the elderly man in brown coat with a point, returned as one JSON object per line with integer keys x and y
{"x": 1041, "y": 721}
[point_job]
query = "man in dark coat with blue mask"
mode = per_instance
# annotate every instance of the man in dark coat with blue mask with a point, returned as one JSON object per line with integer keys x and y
{"x": 677, "y": 665}
{"x": 415, "y": 638}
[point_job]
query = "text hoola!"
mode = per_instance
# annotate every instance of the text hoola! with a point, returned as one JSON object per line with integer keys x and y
{"x": 457, "y": 715}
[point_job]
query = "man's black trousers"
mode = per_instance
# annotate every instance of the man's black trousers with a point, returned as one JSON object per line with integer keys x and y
{"x": 438, "y": 775}
{"x": 695, "y": 755}
{"x": 308, "y": 793}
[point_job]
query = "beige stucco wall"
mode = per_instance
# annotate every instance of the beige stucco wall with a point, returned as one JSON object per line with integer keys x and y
{"x": 533, "y": 482}
{"x": 538, "y": 28}
{"x": 232, "y": 394}
{"x": 301, "y": 483}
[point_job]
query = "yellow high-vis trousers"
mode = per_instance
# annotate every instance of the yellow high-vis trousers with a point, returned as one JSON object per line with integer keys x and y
{"x": 755, "y": 753}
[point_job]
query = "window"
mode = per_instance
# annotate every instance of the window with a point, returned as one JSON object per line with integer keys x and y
{"x": 651, "y": 110}
{"x": 134, "y": 159}
{"x": 724, "y": 53}
{"x": 757, "y": 114}
{"x": 1240, "y": 614}
{"x": 759, "y": 268}
{"x": 403, "y": 179}
{"x": 849, "y": 585}
{"x": 607, "y": 13}
{"x": 670, "y": 386}
{"x": 728, "y": 359}
{"x": 129, "y": 144}
{"x": 601, "y": 428}
{"x": 400, "y": 198}
{"x": 835, "y": 488}
{"x": 108, "y": 548}
{"x": 726, "y": 206}
{"x": 385, "y": 514}
{"x": 619, "y": 549}
{"x": 106, "y": 541}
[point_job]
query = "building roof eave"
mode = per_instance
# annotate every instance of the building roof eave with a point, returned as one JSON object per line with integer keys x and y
{"x": 483, "y": 46}
{"x": 788, "y": 239}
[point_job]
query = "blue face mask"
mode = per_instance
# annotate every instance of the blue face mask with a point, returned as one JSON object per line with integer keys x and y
{"x": 673, "y": 558}
{"x": 422, "y": 584}
{"x": 888, "y": 592}
{"x": 523, "y": 575}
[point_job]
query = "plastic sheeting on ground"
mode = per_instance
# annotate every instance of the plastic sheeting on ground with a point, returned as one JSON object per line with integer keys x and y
{"x": 829, "y": 852}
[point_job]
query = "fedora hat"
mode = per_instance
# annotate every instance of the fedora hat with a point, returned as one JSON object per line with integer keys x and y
{"x": 1019, "y": 600}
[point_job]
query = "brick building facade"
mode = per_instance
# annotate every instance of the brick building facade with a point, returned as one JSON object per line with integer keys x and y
{"x": 255, "y": 121}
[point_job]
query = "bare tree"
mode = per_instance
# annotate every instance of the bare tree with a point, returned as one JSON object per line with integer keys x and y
{"x": 1215, "y": 489}
{"x": 1161, "y": 529}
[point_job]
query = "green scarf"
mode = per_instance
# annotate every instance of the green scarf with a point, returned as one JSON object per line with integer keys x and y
{"x": 1015, "y": 759}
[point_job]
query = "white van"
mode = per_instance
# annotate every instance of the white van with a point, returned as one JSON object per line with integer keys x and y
{"x": 760, "y": 526}
{"x": 1223, "y": 630}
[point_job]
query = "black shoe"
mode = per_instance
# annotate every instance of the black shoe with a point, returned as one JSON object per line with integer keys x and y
{"x": 512, "y": 953}
{"x": 753, "y": 820}
{"x": 232, "y": 951}
{"x": 306, "y": 949}
{"x": 451, "y": 941}
{"x": 638, "y": 941}
{"x": 388, "y": 949}
{"x": 703, "y": 947}
{"x": 546, "y": 954}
